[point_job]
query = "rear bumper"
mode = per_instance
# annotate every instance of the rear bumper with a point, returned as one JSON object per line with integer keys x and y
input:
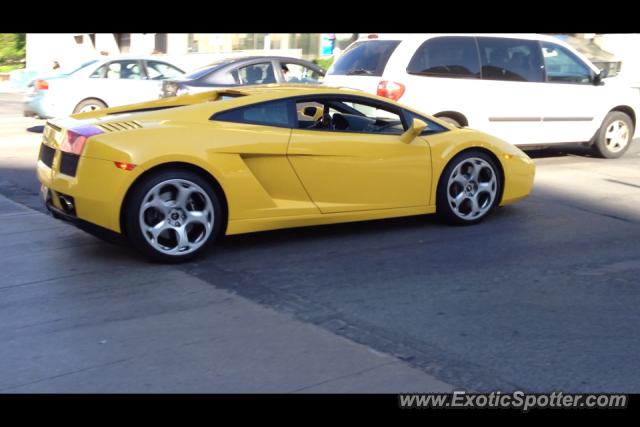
{"x": 93, "y": 229}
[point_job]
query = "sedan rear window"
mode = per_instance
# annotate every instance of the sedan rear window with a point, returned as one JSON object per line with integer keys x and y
{"x": 367, "y": 58}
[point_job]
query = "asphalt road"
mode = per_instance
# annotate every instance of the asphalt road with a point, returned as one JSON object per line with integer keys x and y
{"x": 542, "y": 295}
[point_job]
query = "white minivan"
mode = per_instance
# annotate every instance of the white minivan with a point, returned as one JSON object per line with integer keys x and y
{"x": 530, "y": 90}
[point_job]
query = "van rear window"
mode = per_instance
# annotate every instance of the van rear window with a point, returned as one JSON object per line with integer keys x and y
{"x": 365, "y": 58}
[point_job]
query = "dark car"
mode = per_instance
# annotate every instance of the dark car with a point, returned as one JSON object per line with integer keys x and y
{"x": 251, "y": 70}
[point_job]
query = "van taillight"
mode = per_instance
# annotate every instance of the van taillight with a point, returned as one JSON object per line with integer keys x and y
{"x": 391, "y": 90}
{"x": 41, "y": 84}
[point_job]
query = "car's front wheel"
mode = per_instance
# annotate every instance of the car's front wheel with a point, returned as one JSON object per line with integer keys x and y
{"x": 89, "y": 105}
{"x": 173, "y": 216}
{"x": 468, "y": 188}
{"x": 614, "y": 136}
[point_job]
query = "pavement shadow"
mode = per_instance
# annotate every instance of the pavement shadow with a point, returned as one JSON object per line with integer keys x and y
{"x": 560, "y": 151}
{"x": 36, "y": 129}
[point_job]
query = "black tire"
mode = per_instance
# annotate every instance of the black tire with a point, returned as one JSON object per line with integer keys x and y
{"x": 606, "y": 148}
{"x": 451, "y": 121}
{"x": 90, "y": 102}
{"x": 132, "y": 216}
{"x": 486, "y": 190}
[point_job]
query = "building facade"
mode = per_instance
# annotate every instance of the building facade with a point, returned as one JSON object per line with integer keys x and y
{"x": 43, "y": 49}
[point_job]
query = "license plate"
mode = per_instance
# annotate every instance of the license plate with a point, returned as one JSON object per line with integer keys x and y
{"x": 44, "y": 193}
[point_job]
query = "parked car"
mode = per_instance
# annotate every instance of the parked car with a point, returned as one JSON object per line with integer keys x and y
{"x": 96, "y": 84}
{"x": 530, "y": 90}
{"x": 250, "y": 70}
{"x": 175, "y": 173}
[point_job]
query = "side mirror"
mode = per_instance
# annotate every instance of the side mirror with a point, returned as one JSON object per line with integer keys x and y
{"x": 600, "y": 76}
{"x": 313, "y": 113}
{"x": 414, "y": 130}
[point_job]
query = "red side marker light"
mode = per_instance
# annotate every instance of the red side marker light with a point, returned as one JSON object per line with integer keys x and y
{"x": 373, "y": 36}
{"x": 124, "y": 166}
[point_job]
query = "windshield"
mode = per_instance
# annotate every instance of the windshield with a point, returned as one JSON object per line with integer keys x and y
{"x": 75, "y": 67}
{"x": 199, "y": 72}
{"x": 367, "y": 58}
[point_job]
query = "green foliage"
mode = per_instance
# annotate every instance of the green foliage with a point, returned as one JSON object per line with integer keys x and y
{"x": 7, "y": 68}
{"x": 323, "y": 62}
{"x": 12, "y": 48}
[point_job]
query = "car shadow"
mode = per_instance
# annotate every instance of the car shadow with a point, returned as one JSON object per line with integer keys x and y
{"x": 559, "y": 151}
{"x": 36, "y": 129}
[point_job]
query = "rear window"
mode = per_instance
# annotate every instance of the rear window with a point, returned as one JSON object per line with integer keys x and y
{"x": 366, "y": 58}
{"x": 199, "y": 72}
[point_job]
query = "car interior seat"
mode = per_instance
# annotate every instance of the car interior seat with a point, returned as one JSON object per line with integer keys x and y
{"x": 114, "y": 71}
{"x": 270, "y": 76}
{"x": 254, "y": 75}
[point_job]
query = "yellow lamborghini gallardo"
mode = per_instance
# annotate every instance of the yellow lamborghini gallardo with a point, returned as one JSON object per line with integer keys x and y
{"x": 173, "y": 174}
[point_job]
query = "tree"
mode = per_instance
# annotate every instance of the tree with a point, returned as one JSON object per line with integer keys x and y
{"x": 12, "y": 48}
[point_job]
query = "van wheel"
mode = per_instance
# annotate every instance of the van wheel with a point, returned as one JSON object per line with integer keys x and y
{"x": 89, "y": 105}
{"x": 450, "y": 120}
{"x": 614, "y": 136}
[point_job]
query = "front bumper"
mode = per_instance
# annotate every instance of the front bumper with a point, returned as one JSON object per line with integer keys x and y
{"x": 519, "y": 173}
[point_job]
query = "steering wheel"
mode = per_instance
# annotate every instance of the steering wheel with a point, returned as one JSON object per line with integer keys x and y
{"x": 319, "y": 124}
{"x": 339, "y": 122}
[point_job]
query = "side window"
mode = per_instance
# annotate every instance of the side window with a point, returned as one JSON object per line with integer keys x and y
{"x": 257, "y": 74}
{"x": 296, "y": 73}
{"x": 563, "y": 66}
{"x": 124, "y": 70}
{"x": 446, "y": 57}
{"x": 432, "y": 127}
{"x": 98, "y": 73}
{"x": 510, "y": 59}
{"x": 352, "y": 115}
{"x": 161, "y": 70}
{"x": 266, "y": 114}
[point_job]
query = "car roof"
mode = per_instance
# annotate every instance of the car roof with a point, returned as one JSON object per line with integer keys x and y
{"x": 414, "y": 36}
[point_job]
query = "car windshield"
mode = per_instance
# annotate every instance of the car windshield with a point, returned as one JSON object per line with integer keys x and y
{"x": 75, "y": 67}
{"x": 199, "y": 72}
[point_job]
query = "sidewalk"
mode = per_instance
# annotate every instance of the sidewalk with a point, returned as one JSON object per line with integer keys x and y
{"x": 82, "y": 316}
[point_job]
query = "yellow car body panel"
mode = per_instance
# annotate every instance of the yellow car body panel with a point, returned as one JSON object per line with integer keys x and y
{"x": 271, "y": 177}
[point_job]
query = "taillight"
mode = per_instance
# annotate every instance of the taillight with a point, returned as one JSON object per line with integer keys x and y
{"x": 373, "y": 36}
{"x": 391, "y": 90}
{"x": 77, "y": 137}
{"x": 41, "y": 84}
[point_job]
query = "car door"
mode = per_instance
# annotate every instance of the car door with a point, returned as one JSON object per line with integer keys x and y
{"x": 365, "y": 167}
{"x": 254, "y": 74}
{"x": 574, "y": 106}
{"x": 119, "y": 83}
{"x": 512, "y": 89}
{"x": 154, "y": 73}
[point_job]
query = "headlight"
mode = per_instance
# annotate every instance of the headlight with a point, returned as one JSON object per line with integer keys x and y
{"x": 182, "y": 92}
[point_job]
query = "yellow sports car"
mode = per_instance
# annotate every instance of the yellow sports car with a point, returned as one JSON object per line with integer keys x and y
{"x": 173, "y": 174}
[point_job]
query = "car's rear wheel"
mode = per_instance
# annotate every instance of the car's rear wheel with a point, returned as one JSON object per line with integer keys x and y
{"x": 614, "y": 136}
{"x": 89, "y": 105}
{"x": 468, "y": 189}
{"x": 173, "y": 216}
